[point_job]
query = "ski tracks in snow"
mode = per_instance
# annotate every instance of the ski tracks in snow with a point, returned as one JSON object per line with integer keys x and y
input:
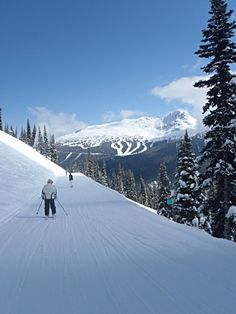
{"x": 107, "y": 256}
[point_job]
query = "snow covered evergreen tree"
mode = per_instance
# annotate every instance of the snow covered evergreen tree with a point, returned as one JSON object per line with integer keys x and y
{"x": 46, "y": 148}
{"x": 12, "y": 132}
{"x": 113, "y": 181}
{"x": 91, "y": 167}
{"x": 163, "y": 192}
{"x": 40, "y": 144}
{"x": 6, "y": 129}
{"x": 143, "y": 193}
{"x": 28, "y": 133}
{"x": 104, "y": 179}
{"x": 33, "y": 136}
{"x": 131, "y": 185}
{"x": 153, "y": 194}
{"x": 120, "y": 181}
{"x": 1, "y": 125}
{"x": 219, "y": 152}
{"x": 23, "y": 135}
{"x": 185, "y": 183}
{"x": 53, "y": 151}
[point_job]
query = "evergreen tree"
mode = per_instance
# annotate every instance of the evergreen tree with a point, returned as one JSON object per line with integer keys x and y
{"x": 104, "y": 178}
{"x": 28, "y": 133}
{"x": 12, "y": 132}
{"x": 163, "y": 192}
{"x": 40, "y": 144}
{"x": 218, "y": 154}
{"x": 143, "y": 194}
{"x": 6, "y": 130}
{"x": 33, "y": 136}
{"x": 113, "y": 181}
{"x": 90, "y": 167}
{"x": 131, "y": 186}
{"x": 53, "y": 151}
{"x": 1, "y": 124}
{"x": 153, "y": 188}
{"x": 185, "y": 183}
{"x": 97, "y": 174}
{"x": 23, "y": 135}
{"x": 46, "y": 148}
{"x": 120, "y": 181}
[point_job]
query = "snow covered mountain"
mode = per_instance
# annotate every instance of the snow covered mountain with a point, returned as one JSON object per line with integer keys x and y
{"x": 126, "y": 137}
{"x": 109, "y": 255}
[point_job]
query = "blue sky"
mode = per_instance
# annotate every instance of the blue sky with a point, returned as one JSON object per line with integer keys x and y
{"x": 70, "y": 63}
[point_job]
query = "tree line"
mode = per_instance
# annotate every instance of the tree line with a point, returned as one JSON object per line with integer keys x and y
{"x": 34, "y": 137}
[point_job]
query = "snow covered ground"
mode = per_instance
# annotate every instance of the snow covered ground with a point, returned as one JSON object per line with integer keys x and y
{"x": 108, "y": 256}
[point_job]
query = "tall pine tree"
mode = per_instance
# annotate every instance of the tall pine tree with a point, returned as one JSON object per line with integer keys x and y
{"x": 185, "y": 183}
{"x": 130, "y": 185}
{"x": 143, "y": 193}
{"x": 1, "y": 125}
{"x": 33, "y": 136}
{"x": 163, "y": 192}
{"x": 104, "y": 179}
{"x": 28, "y": 133}
{"x": 53, "y": 151}
{"x": 46, "y": 148}
{"x": 219, "y": 151}
{"x": 39, "y": 144}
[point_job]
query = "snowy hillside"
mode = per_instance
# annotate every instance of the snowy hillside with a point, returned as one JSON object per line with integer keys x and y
{"x": 108, "y": 256}
{"x": 130, "y": 136}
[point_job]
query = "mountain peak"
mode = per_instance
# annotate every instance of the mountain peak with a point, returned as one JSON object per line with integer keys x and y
{"x": 145, "y": 128}
{"x": 178, "y": 120}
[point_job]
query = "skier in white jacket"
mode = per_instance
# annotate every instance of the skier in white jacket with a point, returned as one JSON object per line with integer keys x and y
{"x": 49, "y": 194}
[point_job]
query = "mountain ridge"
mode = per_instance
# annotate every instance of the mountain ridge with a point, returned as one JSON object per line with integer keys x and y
{"x": 137, "y": 144}
{"x": 128, "y": 135}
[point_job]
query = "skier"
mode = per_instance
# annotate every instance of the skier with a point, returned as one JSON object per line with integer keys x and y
{"x": 71, "y": 179}
{"x": 169, "y": 201}
{"x": 49, "y": 194}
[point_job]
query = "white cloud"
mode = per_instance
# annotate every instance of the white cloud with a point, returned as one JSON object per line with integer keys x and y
{"x": 191, "y": 68}
{"x": 57, "y": 123}
{"x": 110, "y": 116}
{"x": 182, "y": 90}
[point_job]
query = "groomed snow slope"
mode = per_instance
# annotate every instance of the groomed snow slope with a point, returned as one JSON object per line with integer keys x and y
{"x": 108, "y": 256}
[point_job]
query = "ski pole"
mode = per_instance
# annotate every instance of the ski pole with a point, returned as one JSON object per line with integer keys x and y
{"x": 62, "y": 207}
{"x": 39, "y": 207}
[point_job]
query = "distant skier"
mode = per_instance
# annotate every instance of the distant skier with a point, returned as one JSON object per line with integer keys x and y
{"x": 169, "y": 201}
{"x": 71, "y": 179}
{"x": 49, "y": 194}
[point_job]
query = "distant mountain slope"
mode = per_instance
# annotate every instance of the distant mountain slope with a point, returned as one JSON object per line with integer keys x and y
{"x": 129, "y": 136}
{"x": 109, "y": 255}
{"x": 143, "y": 141}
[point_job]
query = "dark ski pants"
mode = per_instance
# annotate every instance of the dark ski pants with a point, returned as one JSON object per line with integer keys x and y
{"x": 49, "y": 203}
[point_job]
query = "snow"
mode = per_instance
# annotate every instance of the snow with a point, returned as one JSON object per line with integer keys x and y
{"x": 29, "y": 152}
{"x": 109, "y": 255}
{"x": 127, "y": 133}
{"x": 182, "y": 183}
{"x": 231, "y": 212}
